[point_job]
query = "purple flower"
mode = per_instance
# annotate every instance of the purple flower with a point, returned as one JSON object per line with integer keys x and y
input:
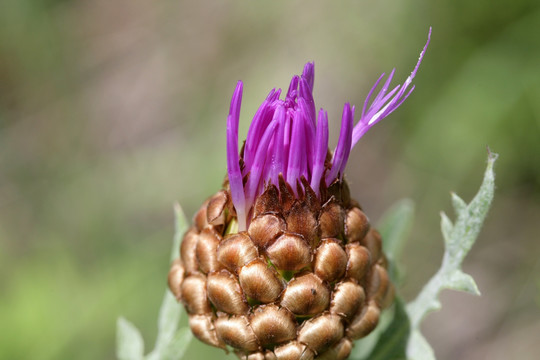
{"x": 289, "y": 139}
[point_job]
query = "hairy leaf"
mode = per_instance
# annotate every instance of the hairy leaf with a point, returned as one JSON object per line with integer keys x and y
{"x": 459, "y": 238}
{"x": 129, "y": 342}
{"x": 171, "y": 342}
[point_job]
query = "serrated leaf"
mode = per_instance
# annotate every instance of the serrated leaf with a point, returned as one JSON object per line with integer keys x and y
{"x": 446, "y": 227}
{"x": 129, "y": 342}
{"x": 459, "y": 239}
{"x": 458, "y": 204}
{"x": 463, "y": 282}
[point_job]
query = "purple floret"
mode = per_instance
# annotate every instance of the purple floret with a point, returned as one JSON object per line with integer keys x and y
{"x": 287, "y": 138}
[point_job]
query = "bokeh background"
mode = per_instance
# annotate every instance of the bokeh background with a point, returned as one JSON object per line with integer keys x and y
{"x": 110, "y": 111}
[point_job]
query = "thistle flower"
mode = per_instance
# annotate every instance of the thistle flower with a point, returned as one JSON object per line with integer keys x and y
{"x": 282, "y": 263}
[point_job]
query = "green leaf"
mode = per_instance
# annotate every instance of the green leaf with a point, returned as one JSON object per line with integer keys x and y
{"x": 129, "y": 342}
{"x": 178, "y": 345}
{"x": 171, "y": 342}
{"x": 171, "y": 311}
{"x": 392, "y": 343}
{"x": 395, "y": 227}
{"x": 459, "y": 239}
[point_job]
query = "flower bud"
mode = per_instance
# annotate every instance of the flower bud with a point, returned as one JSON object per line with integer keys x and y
{"x": 281, "y": 263}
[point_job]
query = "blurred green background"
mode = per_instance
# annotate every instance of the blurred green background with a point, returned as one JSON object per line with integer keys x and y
{"x": 110, "y": 111}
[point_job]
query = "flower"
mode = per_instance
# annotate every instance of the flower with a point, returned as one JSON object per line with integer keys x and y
{"x": 288, "y": 138}
{"x": 281, "y": 263}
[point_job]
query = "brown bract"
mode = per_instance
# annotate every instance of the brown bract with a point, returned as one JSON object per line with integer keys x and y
{"x": 305, "y": 280}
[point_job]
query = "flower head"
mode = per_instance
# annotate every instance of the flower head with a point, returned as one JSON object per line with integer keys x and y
{"x": 288, "y": 138}
{"x": 282, "y": 263}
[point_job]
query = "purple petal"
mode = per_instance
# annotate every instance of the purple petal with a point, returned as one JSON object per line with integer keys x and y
{"x": 258, "y": 164}
{"x": 344, "y": 144}
{"x": 295, "y": 151}
{"x": 233, "y": 160}
{"x": 307, "y": 96}
{"x": 293, "y": 86}
{"x": 370, "y": 93}
{"x": 260, "y": 122}
{"x": 321, "y": 148}
{"x": 384, "y": 104}
{"x": 276, "y": 165}
{"x": 309, "y": 74}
